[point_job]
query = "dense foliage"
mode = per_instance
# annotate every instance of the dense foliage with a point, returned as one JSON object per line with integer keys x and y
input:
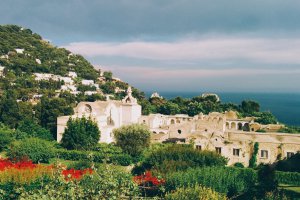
{"x": 133, "y": 139}
{"x": 291, "y": 164}
{"x": 53, "y": 60}
{"x": 81, "y": 133}
{"x": 253, "y": 159}
{"x": 196, "y": 193}
{"x": 35, "y": 149}
{"x": 230, "y": 181}
{"x": 179, "y": 157}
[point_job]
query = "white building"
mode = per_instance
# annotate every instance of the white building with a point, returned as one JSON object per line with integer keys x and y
{"x": 71, "y": 88}
{"x": 72, "y": 74}
{"x": 109, "y": 115}
{"x": 87, "y": 82}
{"x": 20, "y": 51}
{"x": 1, "y": 71}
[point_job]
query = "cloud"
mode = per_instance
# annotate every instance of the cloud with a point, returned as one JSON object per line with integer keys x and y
{"x": 259, "y": 50}
{"x": 101, "y": 20}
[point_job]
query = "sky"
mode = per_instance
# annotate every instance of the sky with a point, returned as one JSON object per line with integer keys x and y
{"x": 175, "y": 45}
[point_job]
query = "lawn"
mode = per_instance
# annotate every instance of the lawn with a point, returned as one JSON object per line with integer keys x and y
{"x": 293, "y": 191}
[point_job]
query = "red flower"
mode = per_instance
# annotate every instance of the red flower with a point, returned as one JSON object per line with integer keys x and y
{"x": 148, "y": 180}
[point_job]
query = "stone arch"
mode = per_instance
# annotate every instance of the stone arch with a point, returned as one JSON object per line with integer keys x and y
{"x": 178, "y": 121}
{"x": 172, "y": 121}
{"x": 246, "y": 127}
{"x": 87, "y": 108}
{"x": 227, "y": 125}
{"x": 233, "y": 125}
{"x": 240, "y": 126}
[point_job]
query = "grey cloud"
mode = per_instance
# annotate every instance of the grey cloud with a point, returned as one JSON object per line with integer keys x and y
{"x": 154, "y": 20}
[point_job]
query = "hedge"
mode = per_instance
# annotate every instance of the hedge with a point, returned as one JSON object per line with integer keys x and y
{"x": 75, "y": 155}
{"x": 290, "y": 178}
{"x": 230, "y": 181}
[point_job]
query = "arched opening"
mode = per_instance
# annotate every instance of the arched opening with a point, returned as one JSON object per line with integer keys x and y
{"x": 246, "y": 127}
{"x": 154, "y": 132}
{"x": 87, "y": 108}
{"x": 233, "y": 125}
{"x": 179, "y": 131}
{"x": 227, "y": 125}
{"x": 144, "y": 121}
{"x": 240, "y": 126}
{"x": 172, "y": 121}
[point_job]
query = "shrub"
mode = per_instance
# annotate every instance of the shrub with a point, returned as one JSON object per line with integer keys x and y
{"x": 5, "y": 140}
{"x": 81, "y": 134}
{"x": 35, "y": 149}
{"x": 181, "y": 157}
{"x": 289, "y": 164}
{"x": 238, "y": 164}
{"x": 105, "y": 184}
{"x": 227, "y": 180}
{"x": 133, "y": 139}
{"x": 253, "y": 159}
{"x": 32, "y": 129}
{"x": 196, "y": 193}
{"x": 76, "y": 155}
{"x": 290, "y": 178}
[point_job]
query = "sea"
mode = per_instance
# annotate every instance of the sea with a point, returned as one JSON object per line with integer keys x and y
{"x": 285, "y": 106}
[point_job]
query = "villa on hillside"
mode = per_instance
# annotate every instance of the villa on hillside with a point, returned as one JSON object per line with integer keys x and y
{"x": 224, "y": 133}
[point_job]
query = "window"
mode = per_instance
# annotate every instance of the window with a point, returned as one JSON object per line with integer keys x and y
{"x": 179, "y": 131}
{"x": 198, "y": 147}
{"x": 289, "y": 154}
{"x": 218, "y": 150}
{"x": 236, "y": 152}
{"x": 264, "y": 154}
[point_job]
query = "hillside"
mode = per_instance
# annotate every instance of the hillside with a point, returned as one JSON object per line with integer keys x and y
{"x": 40, "y": 82}
{"x": 22, "y": 50}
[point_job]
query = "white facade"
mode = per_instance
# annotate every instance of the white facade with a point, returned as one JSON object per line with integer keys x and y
{"x": 87, "y": 82}
{"x": 107, "y": 114}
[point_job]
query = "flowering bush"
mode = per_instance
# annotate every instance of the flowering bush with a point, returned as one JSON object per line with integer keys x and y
{"x": 73, "y": 174}
{"x": 148, "y": 180}
{"x": 149, "y": 184}
{"x": 25, "y": 171}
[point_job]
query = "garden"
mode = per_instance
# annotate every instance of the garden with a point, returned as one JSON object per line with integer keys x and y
{"x": 33, "y": 167}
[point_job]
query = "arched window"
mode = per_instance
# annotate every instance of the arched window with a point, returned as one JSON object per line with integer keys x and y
{"x": 172, "y": 121}
{"x": 179, "y": 131}
{"x": 87, "y": 108}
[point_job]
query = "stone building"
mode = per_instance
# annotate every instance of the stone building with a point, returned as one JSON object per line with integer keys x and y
{"x": 224, "y": 133}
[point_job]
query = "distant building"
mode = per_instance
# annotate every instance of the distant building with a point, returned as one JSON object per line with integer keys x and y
{"x": 87, "y": 82}
{"x": 211, "y": 94}
{"x": 156, "y": 95}
{"x": 20, "y": 51}
{"x": 72, "y": 74}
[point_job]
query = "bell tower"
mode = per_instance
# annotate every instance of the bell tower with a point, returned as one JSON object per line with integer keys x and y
{"x": 131, "y": 110}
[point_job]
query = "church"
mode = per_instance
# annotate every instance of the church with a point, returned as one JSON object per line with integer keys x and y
{"x": 108, "y": 115}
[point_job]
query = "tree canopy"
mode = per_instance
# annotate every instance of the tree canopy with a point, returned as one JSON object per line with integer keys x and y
{"x": 81, "y": 134}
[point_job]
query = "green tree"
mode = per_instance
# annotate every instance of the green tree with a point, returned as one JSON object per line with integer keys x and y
{"x": 35, "y": 149}
{"x": 253, "y": 159}
{"x": 266, "y": 118}
{"x": 107, "y": 75}
{"x": 250, "y": 107}
{"x": 49, "y": 109}
{"x": 133, "y": 139}
{"x": 81, "y": 134}
{"x": 32, "y": 129}
{"x": 9, "y": 110}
